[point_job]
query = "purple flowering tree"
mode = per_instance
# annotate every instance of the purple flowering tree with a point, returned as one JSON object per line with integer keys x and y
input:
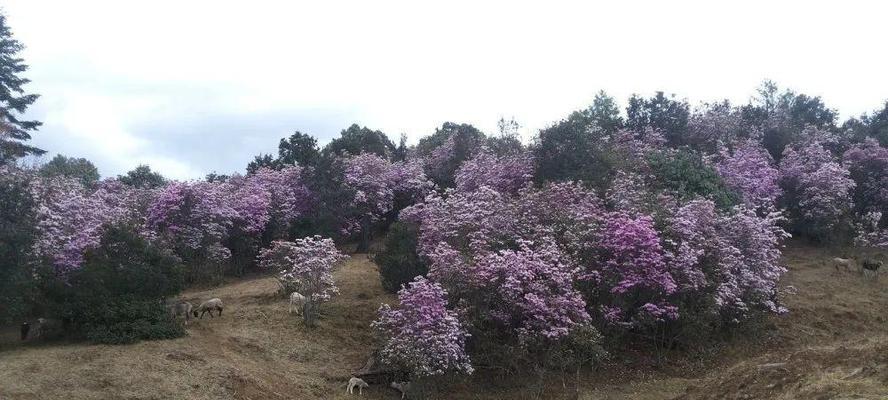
{"x": 867, "y": 163}
{"x": 735, "y": 256}
{"x": 530, "y": 291}
{"x": 505, "y": 174}
{"x": 375, "y": 182}
{"x": 632, "y": 279}
{"x": 306, "y": 266}
{"x": 749, "y": 170}
{"x": 421, "y": 335}
{"x": 71, "y": 218}
{"x": 817, "y": 190}
{"x": 194, "y": 219}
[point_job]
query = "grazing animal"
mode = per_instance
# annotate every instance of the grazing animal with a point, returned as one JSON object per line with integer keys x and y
{"x": 297, "y": 301}
{"x": 182, "y": 308}
{"x": 47, "y": 328}
{"x": 871, "y": 267}
{"x": 403, "y": 387}
{"x": 208, "y": 307}
{"x": 356, "y": 382}
{"x": 843, "y": 263}
{"x": 26, "y": 327}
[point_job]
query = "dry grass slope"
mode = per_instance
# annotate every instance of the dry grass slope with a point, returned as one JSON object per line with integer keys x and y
{"x": 256, "y": 350}
{"x": 833, "y": 345}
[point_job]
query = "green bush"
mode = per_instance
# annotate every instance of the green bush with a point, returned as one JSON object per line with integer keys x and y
{"x": 398, "y": 261}
{"x": 684, "y": 174}
{"x": 118, "y": 296}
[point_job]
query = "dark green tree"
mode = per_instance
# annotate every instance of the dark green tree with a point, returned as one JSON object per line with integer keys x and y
{"x": 300, "y": 149}
{"x": 356, "y": 140}
{"x": 684, "y": 174}
{"x": 118, "y": 295}
{"x": 467, "y": 141}
{"x": 214, "y": 177}
{"x": 262, "y": 161}
{"x": 577, "y": 148}
{"x": 16, "y": 238}
{"x": 13, "y": 100}
{"x": 665, "y": 114}
{"x": 143, "y": 177}
{"x": 70, "y": 167}
{"x": 874, "y": 126}
{"x": 508, "y": 140}
{"x": 398, "y": 261}
{"x": 604, "y": 113}
{"x": 401, "y": 151}
{"x": 783, "y": 117}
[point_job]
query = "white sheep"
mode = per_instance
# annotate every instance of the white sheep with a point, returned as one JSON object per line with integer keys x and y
{"x": 297, "y": 301}
{"x": 403, "y": 387}
{"x": 356, "y": 382}
{"x": 182, "y": 308}
{"x": 47, "y": 328}
{"x": 208, "y": 307}
{"x": 843, "y": 263}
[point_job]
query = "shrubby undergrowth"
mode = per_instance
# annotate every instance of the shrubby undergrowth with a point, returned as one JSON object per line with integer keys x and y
{"x": 118, "y": 293}
{"x": 660, "y": 227}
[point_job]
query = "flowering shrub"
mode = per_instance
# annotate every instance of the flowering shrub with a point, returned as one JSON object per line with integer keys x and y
{"x": 713, "y": 125}
{"x": 817, "y": 190}
{"x": 748, "y": 170}
{"x": 304, "y": 265}
{"x": 476, "y": 219}
{"x": 631, "y": 274}
{"x": 194, "y": 218}
{"x": 268, "y": 196}
{"x": 733, "y": 255}
{"x": 375, "y": 182}
{"x": 523, "y": 271}
{"x": 530, "y": 291}
{"x": 71, "y": 219}
{"x": 506, "y": 174}
{"x": 421, "y": 335}
{"x": 870, "y": 230}
{"x": 867, "y": 163}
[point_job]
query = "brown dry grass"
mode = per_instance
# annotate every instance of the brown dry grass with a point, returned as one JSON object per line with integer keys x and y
{"x": 833, "y": 345}
{"x": 256, "y": 350}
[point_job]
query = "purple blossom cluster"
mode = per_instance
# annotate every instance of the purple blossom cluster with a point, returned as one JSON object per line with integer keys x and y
{"x": 818, "y": 188}
{"x": 193, "y": 218}
{"x": 632, "y": 264}
{"x": 530, "y": 291}
{"x": 505, "y": 174}
{"x": 867, "y": 163}
{"x": 749, "y": 170}
{"x": 736, "y": 253}
{"x": 422, "y": 335}
{"x": 375, "y": 181}
{"x": 539, "y": 262}
{"x": 71, "y": 219}
{"x": 305, "y": 265}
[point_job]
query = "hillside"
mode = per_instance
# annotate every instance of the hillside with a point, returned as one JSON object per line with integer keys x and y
{"x": 832, "y": 345}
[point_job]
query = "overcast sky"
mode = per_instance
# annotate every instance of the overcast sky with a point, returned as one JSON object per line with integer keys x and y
{"x": 191, "y": 87}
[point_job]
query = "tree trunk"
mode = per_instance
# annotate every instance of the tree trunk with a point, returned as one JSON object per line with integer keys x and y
{"x": 364, "y": 244}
